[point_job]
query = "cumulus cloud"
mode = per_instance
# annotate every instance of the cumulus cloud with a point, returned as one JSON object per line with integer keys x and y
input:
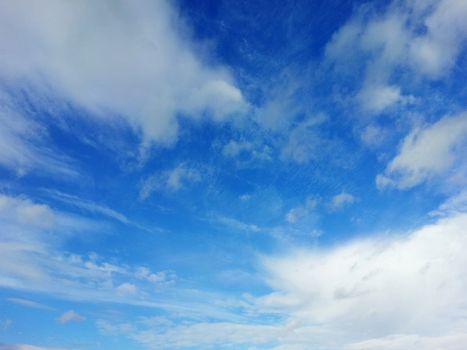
{"x": 375, "y": 99}
{"x": 411, "y": 285}
{"x": 341, "y": 199}
{"x": 427, "y": 152}
{"x": 132, "y": 60}
{"x": 70, "y": 316}
{"x": 423, "y": 37}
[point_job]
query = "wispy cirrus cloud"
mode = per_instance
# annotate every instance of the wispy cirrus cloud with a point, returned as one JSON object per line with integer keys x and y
{"x": 26, "y": 347}
{"x": 30, "y": 303}
{"x": 87, "y": 205}
{"x": 25, "y": 144}
{"x": 32, "y": 259}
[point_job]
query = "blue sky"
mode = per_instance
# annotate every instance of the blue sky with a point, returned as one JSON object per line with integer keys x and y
{"x": 233, "y": 175}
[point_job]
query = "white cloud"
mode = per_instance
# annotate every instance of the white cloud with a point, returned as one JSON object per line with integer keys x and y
{"x": 305, "y": 142}
{"x": 245, "y": 197}
{"x": 70, "y": 316}
{"x": 87, "y": 205}
{"x": 427, "y": 152}
{"x": 412, "y": 285}
{"x": 23, "y": 211}
{"x": 32, "y": 259}
{"x": 425, "y": 37}
{"x": 435, "y": 52}
{"x": 341, "y": 199}
{"x": 237, "y": 224}
{"x": 179, "y": 175}
{"x": 455, "y": 341}
{"x": 453, "y": 205}
{"x": 133, "y": 60}
{"x": 375, "y": 99}
{"x": 171, "y": 180}
{"x": 36, "y": 225}
{"x": 126, "y": 289}
{"x": 373, "y": 135}
{"x": 298, "y": 213}
{"x": 159, "y": 277}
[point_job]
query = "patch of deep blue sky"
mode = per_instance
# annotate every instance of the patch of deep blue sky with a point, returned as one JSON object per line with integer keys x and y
{"x": 266, "y": 44}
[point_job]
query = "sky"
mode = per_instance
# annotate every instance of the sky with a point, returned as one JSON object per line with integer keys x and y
{"x": 219, "y": 174}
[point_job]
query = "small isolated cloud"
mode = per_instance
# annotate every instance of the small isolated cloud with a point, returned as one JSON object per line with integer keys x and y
{"x": 427, "y": 152}
{"x": 237, "y": 224}
{"x": 305, "y": 142}
{"x": 245, "y": 197}
{"x": 375, "y": 99}
{"x": 373, "y": 135}
{"x": 170, "y": 180}
{"x": 126, "y": 289}
{"x": 70, "y": 316}
{"x": 341, "y": 199}
{"x": 159, "y": 277}
{"x": 298, "y": 213}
